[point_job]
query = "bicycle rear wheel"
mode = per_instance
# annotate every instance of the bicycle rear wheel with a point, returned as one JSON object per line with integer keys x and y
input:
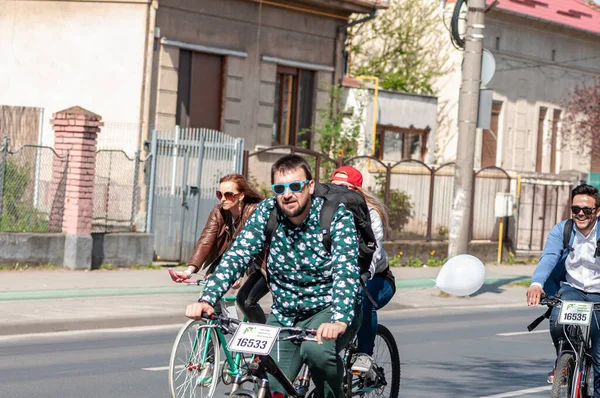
{"x": 194, "y": 362}
{"x": 563, "y": 379}
{"x": 386, "y": 363}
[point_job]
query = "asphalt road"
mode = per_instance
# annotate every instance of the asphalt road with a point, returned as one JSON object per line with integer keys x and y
{"x": 444, "y": 353}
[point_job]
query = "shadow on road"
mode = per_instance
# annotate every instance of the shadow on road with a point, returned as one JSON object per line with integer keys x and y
{"x": 481, "y": 376}
{"x": 497, "y": 287}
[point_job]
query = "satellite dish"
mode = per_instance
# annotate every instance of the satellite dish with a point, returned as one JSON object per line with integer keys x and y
{"x": 488, "y": 67}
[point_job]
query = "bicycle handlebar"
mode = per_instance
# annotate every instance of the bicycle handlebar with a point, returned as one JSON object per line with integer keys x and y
{"x": 297, "y": 333}
{"x": 555, "y": 301}
{"x": 187, "y": 281}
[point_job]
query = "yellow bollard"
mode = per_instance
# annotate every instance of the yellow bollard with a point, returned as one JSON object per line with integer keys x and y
{"x": 500, "y": 228}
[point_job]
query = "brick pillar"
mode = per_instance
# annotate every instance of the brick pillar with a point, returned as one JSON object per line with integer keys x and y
{"x": 75, "y": 132}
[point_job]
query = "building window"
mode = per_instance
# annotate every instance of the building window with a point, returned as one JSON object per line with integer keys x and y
{"x": 397, "y": 143}
{"x": 199, "y": 90}
{"x": 550, "y": 143}
{"x": 555, "y": 120}
{"x": 294, "y": 98}
{"x": 489, "y": 142}
{"x": 540, "y": 140}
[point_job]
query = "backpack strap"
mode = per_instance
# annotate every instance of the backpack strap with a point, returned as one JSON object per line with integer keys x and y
{"x": 597, "y": 252}
{"x": 327, "y": 212}
{"x": 272, "y": 225}
{"x": 567, "y": 235}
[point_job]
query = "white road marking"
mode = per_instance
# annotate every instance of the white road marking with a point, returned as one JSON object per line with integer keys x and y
{"x": 161, "y": 368}
{"x": 519, "y": 392}
{"x": 519, "y": 333}
{"x": 134, "y": 329}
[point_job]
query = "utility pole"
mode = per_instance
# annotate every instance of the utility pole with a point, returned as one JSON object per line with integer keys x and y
{"x": 468, "y": 108}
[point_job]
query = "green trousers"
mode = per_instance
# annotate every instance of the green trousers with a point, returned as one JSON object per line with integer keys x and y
{"x": 326, "y": 366}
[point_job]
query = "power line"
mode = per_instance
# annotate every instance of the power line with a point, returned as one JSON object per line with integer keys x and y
{"x": 563, "y": 63}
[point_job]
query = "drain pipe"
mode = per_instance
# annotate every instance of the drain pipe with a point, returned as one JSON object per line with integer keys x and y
{"x": 343, "y": 29}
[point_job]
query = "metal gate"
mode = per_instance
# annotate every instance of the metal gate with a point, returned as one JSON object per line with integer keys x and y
{"x": 541, "y": 206}
{"x": 186, "y": 165}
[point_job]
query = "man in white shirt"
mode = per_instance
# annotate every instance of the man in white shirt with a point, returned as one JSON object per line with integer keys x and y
{"x": 575, "y": 268}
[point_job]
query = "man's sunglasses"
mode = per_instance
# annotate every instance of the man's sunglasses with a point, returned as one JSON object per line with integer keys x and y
{"x": 295, "y": 186}
{"x": 586, "y": 210}
{"x": 228, "y": 195}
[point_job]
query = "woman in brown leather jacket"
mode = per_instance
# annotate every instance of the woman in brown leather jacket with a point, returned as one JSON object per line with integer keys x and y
{"x": 238, "y": 202}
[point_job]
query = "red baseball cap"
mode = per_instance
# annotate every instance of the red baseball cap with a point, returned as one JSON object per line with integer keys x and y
{"x": 354, "y": 177}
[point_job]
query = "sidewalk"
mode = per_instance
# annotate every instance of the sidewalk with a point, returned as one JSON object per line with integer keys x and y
{"x": 38, "y": 301}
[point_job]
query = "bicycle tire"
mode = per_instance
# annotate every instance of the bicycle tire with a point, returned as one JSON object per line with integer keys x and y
{"x": 394, "y": 383}
{"x": 564, "y": 372}
{"x": 183, "y": 384}
{"x": 389, "y": 340}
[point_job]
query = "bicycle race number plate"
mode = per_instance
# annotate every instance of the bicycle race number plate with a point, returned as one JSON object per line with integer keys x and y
{"x": 254, "y": 338}
{"x": 575, "y": 313}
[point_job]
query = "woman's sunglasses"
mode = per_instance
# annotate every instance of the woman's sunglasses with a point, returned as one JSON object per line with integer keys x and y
{"x": 295, "y": 186}
{"x": 586, "y": 210}
{"x": 228, "y": 195}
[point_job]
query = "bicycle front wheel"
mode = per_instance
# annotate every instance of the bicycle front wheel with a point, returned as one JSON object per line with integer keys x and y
{"x": 194, "y": 363}
{"x": 563, "y": 379}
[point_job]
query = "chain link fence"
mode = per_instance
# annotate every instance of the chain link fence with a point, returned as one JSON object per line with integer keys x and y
{"x": 32, "y": 188}
{"x": 118, "y": 194}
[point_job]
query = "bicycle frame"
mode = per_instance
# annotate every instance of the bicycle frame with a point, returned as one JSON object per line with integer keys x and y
{"x": 234, "y": 361}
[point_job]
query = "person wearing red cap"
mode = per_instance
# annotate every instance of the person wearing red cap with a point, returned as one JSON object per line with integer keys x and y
{"x": 382, "y": 285}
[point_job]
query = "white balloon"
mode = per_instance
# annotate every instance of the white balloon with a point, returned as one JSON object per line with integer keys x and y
{"x": 462, "y": 275}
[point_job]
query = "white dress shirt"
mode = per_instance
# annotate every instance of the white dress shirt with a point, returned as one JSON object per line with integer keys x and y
{"x": 583, "y": 269}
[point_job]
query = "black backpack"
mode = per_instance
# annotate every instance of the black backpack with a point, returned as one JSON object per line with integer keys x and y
{"x": 333, "y": 195}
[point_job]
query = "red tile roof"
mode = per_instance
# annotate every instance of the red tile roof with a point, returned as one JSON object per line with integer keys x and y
{"x": 573, "y": 13}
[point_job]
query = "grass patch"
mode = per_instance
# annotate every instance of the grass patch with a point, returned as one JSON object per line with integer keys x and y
{"x": 23, "y": 267}
{"x": 148, "y": 266}
{"x": 522, "y": 283}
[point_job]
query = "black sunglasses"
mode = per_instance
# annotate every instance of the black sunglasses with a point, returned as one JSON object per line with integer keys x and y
{"x": 295, "y": 186}
{"x": 586, "y": 210}
{"x": 228, "y": 195}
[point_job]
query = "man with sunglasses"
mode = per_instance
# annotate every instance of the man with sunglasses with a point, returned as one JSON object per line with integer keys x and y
{"x": 311, "y": 286}
{"x": 573, "y": 270}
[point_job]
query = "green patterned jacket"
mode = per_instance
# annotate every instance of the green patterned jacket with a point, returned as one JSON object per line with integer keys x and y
{"x": 303, "y": 276}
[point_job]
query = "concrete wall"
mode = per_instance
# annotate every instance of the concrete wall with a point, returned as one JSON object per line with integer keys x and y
{"x": 30, "y": 248}
{"x": 119, "y": 249}
{"x": 122, "y": 249}
{"x": 484, "y": 251}
{"x": 526, "y": 79}
{"x": 249, "y": 88}
{"x": 57, "y": 54}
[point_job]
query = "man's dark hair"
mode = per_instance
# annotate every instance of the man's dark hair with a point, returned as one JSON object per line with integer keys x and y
{"x": 585, "y": 189}
{"x": 289, "y": 163}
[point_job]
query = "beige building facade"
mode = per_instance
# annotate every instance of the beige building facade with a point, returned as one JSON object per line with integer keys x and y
{"x": 538, "y": 63}
{"x": 57, "y": 54}
{"x": 255, "y": 69}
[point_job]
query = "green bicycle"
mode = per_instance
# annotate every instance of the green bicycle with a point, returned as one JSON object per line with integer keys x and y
{"x": 195, "y": 366}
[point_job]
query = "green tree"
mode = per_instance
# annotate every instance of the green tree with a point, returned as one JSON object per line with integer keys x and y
{"x": 340, "y": 129}
{"x": 18, "y": 215}
{"x": 403, "y": 46}
{"x": 400, "y": 206}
